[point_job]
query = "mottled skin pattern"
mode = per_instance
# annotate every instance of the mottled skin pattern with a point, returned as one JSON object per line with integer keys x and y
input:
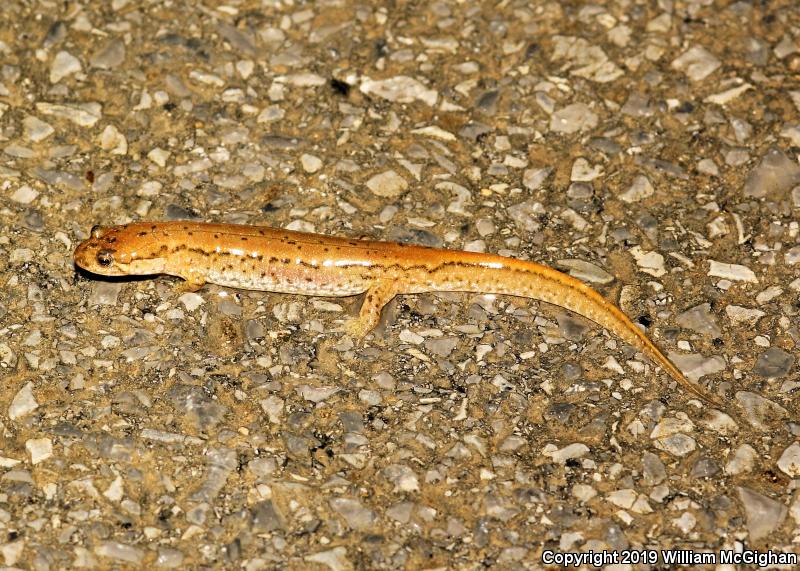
{"x": 269, "y": 259}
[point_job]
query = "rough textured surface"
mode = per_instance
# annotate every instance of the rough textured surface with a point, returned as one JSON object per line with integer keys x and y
{"x": 649, "y": 147}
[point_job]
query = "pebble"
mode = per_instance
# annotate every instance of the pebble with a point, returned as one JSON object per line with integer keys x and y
{"x": 758, "y": 409}
{"x": 697, "y": 63}
{"x": 399, "y": 89}
{"x": 700, "y": 319}
{"x": 708, "y": 167}
{"x": 734, "y": 272}
{"x": 586, "y": 60}
{"x": 743, "y": 460}
{"x": 678, "y": 444}
{"x": 649, "y": 262}
{"x": 64, "y": 64}
{"x": 435, "y": 133}
{"x": 267, "y": 517}
{"x": 402, "y": 478}
{"x": 725, "y": 97}
{"x": 485, "y": 227}
{"x": 653, "y": 471}
{"x": 113, "y": 141}
{"x": 354, "y": 513}
{"x": 533, "y": 178}
{"x": 789, "y": 462}
{"x": 743, "y": 315}
{"x": 335, "y": 559}
{"x": 36, "y": 130}
{"x": 792, "y": 132}
{"x": 39, "y": 449}
{"x": 23, "y": 403}
{"x": 169, "y": 558}
{"x": 764, "y": 515}
{"x": 387, "y": 184}
{"x": 270, "y": 114}
{"x": 21, "y": 255}
{"x": 104, "y": 293}
{"x": 768, "y": 294}
{"x": 585, "y": 271}
{"x": 109, "y": 56}
{"x": 24, "y": 195}
{"x": 311, "y": 164}
{"x": 583, "y": 492}
{"x": 640, "y": 189}
{"x": 569, "y": 452}
{"x": 573, "y": 118}
{"x": 774, "y": 363}
{"x": 316, "y": 394}
{"x": 120, "y": 552}
{"x": 582, "y": 171}
{"x": 775, "y": 175}
{"x": 696, "y": 367}
{"x": 83, "y": 115}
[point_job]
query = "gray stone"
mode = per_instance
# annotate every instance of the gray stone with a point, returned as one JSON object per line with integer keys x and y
{"x": 764, "y": 515}
{"x": 774, "y": 362}
{"x": 267, "y": 517}
{"x": 700, "y": 319}
{"x": 109, "y": 56}
{"x": 774, "y": 176}
{"x": 697, "y": 63}
{"x": 573, "y": 118}
{"x": 354, "y": 513}
{"x": 653, "y": 469}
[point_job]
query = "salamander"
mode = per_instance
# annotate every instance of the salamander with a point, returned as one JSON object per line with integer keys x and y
{"x": 283, "y": 261}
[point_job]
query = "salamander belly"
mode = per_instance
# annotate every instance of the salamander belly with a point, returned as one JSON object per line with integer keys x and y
{"x": 298, "y": 280}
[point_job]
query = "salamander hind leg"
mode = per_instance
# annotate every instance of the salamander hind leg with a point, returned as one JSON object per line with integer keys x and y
{"x": 377, "y": 296}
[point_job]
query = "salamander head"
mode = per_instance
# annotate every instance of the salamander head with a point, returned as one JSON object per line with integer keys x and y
{"x": 117, "y": 251}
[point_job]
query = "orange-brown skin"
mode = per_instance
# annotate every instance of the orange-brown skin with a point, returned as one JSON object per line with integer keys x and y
{"x": 270, "y": 259}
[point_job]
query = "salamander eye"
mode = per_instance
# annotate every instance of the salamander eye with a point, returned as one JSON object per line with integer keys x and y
{"x": 105, "y": 258}
{"x": 96, "y": 231}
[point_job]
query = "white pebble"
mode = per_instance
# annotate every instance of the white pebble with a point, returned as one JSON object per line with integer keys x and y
{"x": 64, "y": 64}
{"x": 387, "y": 184}
{"x": 311, "y": 164}
{"x": 113, "y": 141}
{"x": 191, "y": 301}
{"x": 36, "y": 130}
{"x": 40, "y": 449}
{"x": 159, "y": 156}
{"x": 24, "y": 195}
{"x": 733, "y": 272}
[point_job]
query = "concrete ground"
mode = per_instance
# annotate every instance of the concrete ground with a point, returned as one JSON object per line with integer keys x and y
{"x": 648, "y": 147}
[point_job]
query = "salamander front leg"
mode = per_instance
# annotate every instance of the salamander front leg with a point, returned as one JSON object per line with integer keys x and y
{"x": 189, "y": 286}
{"x": 193, "y": 280}
{"x": 377, "y": 296}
